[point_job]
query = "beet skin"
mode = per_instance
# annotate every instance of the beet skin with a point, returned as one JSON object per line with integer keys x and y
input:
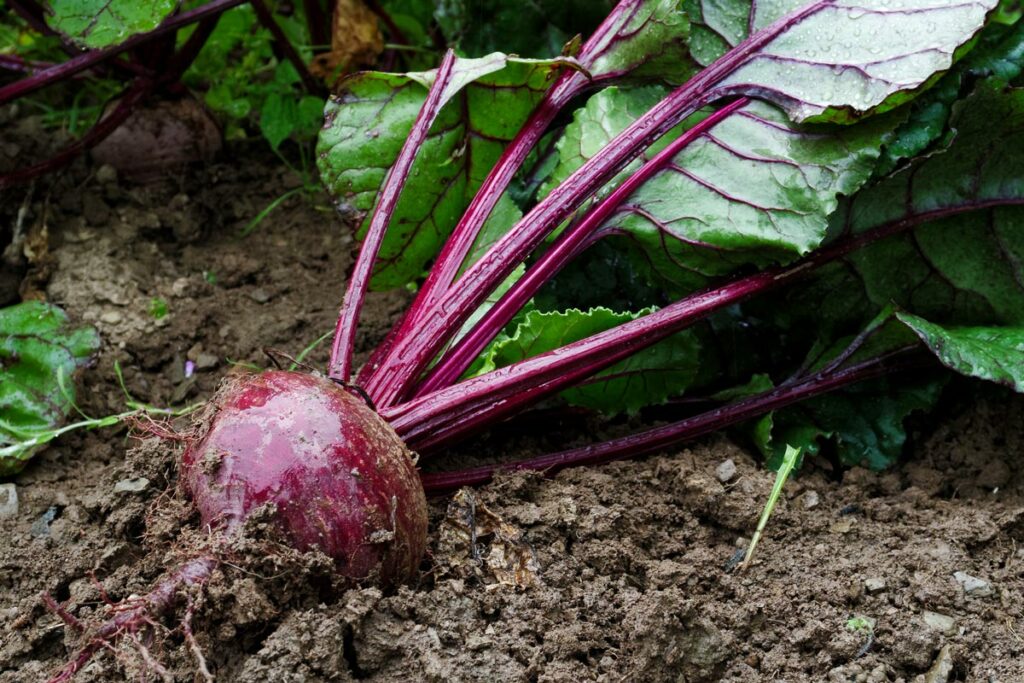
{"x": 339, "y": 477}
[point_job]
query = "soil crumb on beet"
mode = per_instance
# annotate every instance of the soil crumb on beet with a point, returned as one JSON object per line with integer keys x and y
{"x": 911, "y": 575}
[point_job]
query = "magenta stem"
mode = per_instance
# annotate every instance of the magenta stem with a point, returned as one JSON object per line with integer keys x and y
{"x": 15, "y": 63}
{"x": 449, "y": 414}
{"x": 340, "y": 366}
{"x": 568, "y": 246}
{"x": 104, "y": 127}
{"x": 457, "y": 247}
{"x": 659, "y": 438}
{"x": 318, "y": 22}
{"x": 181, "y": 60}
{"x": 397, "y": 35}
{"x": 94, "y": 57}
{"x": 410, "y": 354}
{"x": 285, "y": 47}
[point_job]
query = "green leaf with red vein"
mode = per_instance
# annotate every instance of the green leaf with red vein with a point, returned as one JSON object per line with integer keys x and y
{"x": 648, "y": 41}
{"x": 39, "y": 352}
{"x": 999, "y": 53}
{"x": 490, "y": 98}
{"x": 835, "y": 60}
{"x": 650, "y": 44}
{"x": 959, "y": 276}
{"x": 755, "y": 189}
{"x": 965, "y": 266}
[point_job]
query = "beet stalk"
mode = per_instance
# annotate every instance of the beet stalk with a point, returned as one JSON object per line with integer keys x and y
{"x": 659, "y": 438}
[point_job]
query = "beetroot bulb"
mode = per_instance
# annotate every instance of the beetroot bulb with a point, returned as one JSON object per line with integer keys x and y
{"x": 339, "y": 477}
{"x": 334, "y": 474}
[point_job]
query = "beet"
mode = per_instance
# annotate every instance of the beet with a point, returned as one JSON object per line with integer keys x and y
{"x": 334, "y": 474}
{"x": 159, "y": 138}
{"x": 339, "y": 477}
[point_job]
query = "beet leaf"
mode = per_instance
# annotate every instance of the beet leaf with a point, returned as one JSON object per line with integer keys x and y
{"x": 369, "y": 121}
{"x": 993, "y": 353}
{"x": 781, "y": 62}
{"x": 102, "y": 23}
{"x": 39, "y": 352}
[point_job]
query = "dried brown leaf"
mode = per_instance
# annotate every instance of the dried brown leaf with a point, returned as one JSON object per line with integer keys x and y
{"x": 356, "y": 41}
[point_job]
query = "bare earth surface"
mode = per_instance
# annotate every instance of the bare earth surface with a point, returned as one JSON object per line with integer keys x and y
{"x": 625, "y": 569}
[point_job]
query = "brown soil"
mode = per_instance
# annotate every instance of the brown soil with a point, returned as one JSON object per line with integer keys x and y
{"x": 625, "y": 569}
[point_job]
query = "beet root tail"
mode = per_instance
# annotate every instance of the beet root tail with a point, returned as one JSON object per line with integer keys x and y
{"x": 140, "y": 612}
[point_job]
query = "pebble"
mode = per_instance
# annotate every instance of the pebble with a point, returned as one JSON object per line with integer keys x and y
{"x": 260, "y": 296}
{"x": 41, "y": 527}
{"x": 939, "y": 622}
{"x": 180, "y": 287}
{"x": 972, "y": 585}
{"x": 8, "y": 501}
{"x": 106, "y": 174}
{"x": 726, "y": 471}
{"x": 811, "y": 499}
{"x": 111, "y": 317}
{"x": 843, "y": 526}
{"x": 131, "y": 485}
{"x": 874, "y": 585}
{"x": 942, "y": 668}
{"x": 206, "y": 361}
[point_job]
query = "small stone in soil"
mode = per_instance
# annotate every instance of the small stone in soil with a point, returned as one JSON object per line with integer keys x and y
{"x": 131, "y": 485}
{"x": 735, "y": 560}
{"x": 8, "y": 501}
{"x": 260, "y": 296}
{"x": 726, "y": 471}
{"x": 106, "y": 174}
{"x": 206, "y": 361}
{"x": 942, "y": 668}
{"x": 939, "y": 622}
{"x": 810, "y": 500}
{"x": 111, "y": 317}
{"x": 180, "y": 287}
{"x": 874, "y": 585}
{"x": 972, "y": 585}
{"x": 41, "y": 527}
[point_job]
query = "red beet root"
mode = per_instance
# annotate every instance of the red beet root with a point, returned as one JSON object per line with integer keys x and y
{"x": 340, "y": 478}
